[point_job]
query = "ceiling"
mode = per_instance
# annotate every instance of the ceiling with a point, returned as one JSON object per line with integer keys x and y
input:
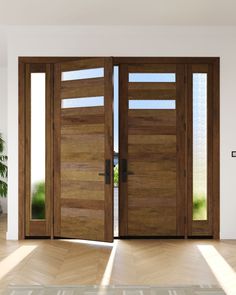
{"x": 117, "y": 12}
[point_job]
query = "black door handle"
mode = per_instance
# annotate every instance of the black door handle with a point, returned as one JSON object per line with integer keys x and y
{"x": 107, "y": 173}
{"x": 124, "y": 170}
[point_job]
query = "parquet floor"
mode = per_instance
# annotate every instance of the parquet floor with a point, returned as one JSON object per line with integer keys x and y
{"x": 132, "y": 262}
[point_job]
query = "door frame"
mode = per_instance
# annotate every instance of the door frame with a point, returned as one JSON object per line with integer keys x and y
{"x": 214, "y": 63}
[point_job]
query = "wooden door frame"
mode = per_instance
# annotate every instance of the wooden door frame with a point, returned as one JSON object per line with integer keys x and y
{"x": 213, "y": 138}
{"x": 120, "y": 61}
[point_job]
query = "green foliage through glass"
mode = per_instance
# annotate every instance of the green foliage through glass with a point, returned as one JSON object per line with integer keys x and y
{"x": 199, "y": 207}
{"x": 38, "y": 201}
{"x": 116, "y": 175}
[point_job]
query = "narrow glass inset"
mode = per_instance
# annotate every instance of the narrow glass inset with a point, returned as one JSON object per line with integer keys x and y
{"x": 152, "y": 104}
{"x": 38, "y": 118}
{"x": 199, "y": 146}
{"x": 82, "y": 102}
{"x": 152, "y": 77}
{"x": 82, "y": 74}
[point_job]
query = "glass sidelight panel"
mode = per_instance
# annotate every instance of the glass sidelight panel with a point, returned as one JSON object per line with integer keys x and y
{"x": 199, "y": 146}
{"x": 38, "y": 91}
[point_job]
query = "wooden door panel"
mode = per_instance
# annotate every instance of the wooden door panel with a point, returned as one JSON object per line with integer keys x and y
{"x": 151, "y": 145}
{"x": 83, "y": 202}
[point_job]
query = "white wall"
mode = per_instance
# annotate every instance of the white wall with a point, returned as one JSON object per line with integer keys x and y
{"x": 3, "y": 117}
{"x": 130, "y": 41}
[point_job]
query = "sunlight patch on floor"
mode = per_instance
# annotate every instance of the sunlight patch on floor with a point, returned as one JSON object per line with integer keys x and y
{"x": 108, "y": 271}
{"x": 12, "y": 260}
{"x": 223, "y": 272}
{"x": 88, "y": 242}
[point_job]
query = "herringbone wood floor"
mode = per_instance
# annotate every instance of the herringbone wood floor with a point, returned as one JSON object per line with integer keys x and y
{"x": 136, "y": 262}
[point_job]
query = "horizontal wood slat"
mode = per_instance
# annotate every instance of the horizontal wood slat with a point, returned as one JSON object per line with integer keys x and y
{"x": 86, "y": 111}
{"x": 77, "y": 116}
{"x": 82, "y": 88}
{"x": 78, "y": 222}
{"x": 72, "y": 191}
{"x": 82, "y": 64}
{"x": 82, "y": 204}
{"x": 164, "y": 193}
{"x": 140, "y": 168}
{"x": 73, "y": 174}
{"x": 162, "y": 94}
{"x": 83, "y": 186}
{"x": 91, "y": 129}
{"x": 149, "y": 122}
{"x": 139, "y": 86}
{"x": 75, "y": 156}
{"x": 151, "y": 130}
{"x": 160, "y": 140}
{"x": 152, "y": 68}
{"x": 152, "y": 222}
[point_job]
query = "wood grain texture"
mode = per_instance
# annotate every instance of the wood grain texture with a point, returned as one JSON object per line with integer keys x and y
{"x": 145, "y": 94}
{"x": 151, "y": 164}
{"x": 152, "y": 68}
{"x": 137, "y": 262}
{"x": 78, "y": 155}
{"x": 57, "y": 150}
{"x": 135, "y": 64}
{"x": 123, "y": 148}
{"x": 83, "y": 63}
{"x": 149, "y": 86}
{"x": 181, "y": 195}
{"x": 85, "y": 202}
{"x": 216, "y": 149}
{"x": 82, "y": 88}
{"x": 108, "y": 118}
{"x": 155, "y": 150}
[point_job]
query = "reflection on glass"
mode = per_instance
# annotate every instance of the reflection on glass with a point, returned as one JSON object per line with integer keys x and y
{"x": 82, "y": 102}
{"x": 152, "y": 77}
{"x": 199, "y": 146}
{"x": 83, "y": 74}
{"x": 152, "y": 104}
{"x": 38, "y": 145}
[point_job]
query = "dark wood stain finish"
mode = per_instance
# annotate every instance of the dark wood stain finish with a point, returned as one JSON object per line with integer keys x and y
{"x": 83, "y": 202}
{"x": 138, "y": 135}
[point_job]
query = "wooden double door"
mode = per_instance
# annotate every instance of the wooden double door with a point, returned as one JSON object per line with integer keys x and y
{"x": 155, "y": 148}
